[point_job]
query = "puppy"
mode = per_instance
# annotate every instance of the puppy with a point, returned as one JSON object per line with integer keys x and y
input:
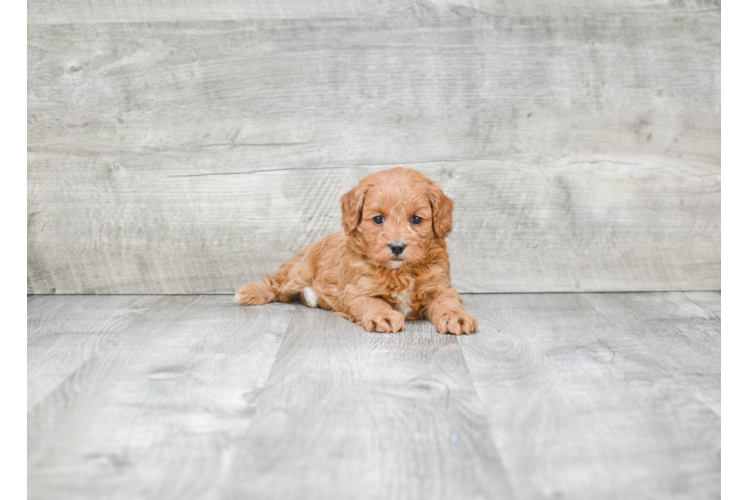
{"x": 390, "y": 262}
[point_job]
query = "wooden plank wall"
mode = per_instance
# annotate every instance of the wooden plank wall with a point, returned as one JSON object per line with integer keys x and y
{"x": 188, "y": 147}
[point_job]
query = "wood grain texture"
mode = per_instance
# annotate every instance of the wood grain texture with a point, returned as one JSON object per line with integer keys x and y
{"x": 154, "y": 415}
{"x": 64, "y": 332}
{"x": 350, "y": 91}
{"x": 191, "y": 157}
{"x": 710, "y": 301}
{"x": 597, "y": 402}
{"x": 69, "y": 11}
{"x": 675, "y": 334}
{"x": 351, "y": 414}
{"x": 608, "y": 224}
{"x": 582, "y": 396}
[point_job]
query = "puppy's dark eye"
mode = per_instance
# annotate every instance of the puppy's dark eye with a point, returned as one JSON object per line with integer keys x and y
{"x": 415, "y": 220}
{"x": 378, "y": 219}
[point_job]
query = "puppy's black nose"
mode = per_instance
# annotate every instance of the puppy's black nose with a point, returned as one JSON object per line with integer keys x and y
{"x": 397, "y": 248}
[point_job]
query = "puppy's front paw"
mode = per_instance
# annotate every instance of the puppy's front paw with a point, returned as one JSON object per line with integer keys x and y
{"x": 456, "y": 322}
{"x": 385, "y": 322}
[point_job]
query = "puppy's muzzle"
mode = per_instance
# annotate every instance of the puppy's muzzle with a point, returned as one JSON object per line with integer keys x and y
{"x": 397, "y": 247}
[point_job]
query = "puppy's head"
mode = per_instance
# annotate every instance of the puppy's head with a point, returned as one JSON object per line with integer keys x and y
{"x": 397, "y": 214}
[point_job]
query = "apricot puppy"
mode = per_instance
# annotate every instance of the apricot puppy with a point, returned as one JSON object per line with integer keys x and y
{"x": 390, "y": 262}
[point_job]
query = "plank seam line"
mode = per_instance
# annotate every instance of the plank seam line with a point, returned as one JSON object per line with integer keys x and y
{"x": 574, "y": 15}
{"x": 484, "y": 415}
{"x": 702, "y": 307}
{"x": 260, "y": 171}
{"x": 619, "y": 330}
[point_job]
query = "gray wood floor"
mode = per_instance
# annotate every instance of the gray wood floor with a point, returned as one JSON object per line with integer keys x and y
{"x": 581, "y": 396}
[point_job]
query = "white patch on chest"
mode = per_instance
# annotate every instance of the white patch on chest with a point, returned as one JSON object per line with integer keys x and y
{"x": 404, "y": 303}
{"x": 310, "y": 298}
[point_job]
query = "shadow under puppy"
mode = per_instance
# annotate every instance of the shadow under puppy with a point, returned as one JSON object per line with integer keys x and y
{"x": 390, "y": 262}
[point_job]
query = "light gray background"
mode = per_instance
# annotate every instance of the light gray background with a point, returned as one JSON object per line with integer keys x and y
{"x": 190, "y": 147}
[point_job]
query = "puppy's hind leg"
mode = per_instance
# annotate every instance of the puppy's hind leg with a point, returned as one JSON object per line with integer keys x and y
{"x": 257, "y": 293}
{"x": 290, "y": 281}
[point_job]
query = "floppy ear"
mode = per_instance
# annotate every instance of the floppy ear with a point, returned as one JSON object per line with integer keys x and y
{"x": 351, "y": 204}
{"x": 441, "y": 206}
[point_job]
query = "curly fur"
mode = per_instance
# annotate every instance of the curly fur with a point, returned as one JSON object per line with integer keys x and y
{"x": 355, "y": 273}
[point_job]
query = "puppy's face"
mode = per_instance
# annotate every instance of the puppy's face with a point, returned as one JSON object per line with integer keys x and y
{"x": 397, "y": 213}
